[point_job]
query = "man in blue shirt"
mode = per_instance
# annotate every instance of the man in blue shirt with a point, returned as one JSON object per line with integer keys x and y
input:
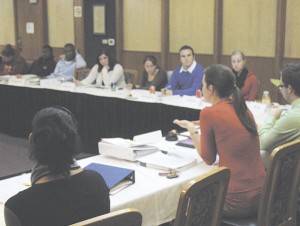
{"x": 66, "y": 66}
{"x": 187, "y": 78}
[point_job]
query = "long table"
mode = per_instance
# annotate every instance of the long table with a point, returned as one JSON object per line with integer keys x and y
{"x": 100, "y": 113}
{"x": 155, "y": 196}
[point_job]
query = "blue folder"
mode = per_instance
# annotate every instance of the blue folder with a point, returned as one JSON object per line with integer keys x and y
{"x": 111, "y": 174}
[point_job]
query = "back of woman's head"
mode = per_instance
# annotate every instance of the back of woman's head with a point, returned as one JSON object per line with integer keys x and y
{"x": 223, "y": 81}
{"x": 54, "y": 138}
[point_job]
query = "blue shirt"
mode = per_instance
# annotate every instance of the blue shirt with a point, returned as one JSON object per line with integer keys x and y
{"x": 186, "y": 82}
{"x": 65, "y": 69}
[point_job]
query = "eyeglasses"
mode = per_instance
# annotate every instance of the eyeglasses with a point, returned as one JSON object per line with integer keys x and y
{"x": 281, "y": 86}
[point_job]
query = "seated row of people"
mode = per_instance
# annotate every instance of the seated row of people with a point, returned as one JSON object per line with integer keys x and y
{"x": 12, "y": 63}
{"x": 185, "y": 79}
{"x": 228, "y": 130}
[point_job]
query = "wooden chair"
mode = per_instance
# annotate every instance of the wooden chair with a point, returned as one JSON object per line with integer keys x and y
{"x": 131, "y": 76}
{"x": 81, "y": 73}
{"x": 124, "y": 217}
{"x": 278, "y": 203}
{"x": 201, "y": 200}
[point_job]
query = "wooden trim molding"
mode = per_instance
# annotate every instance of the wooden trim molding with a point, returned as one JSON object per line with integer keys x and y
{"x": 119, "y": 29}
{"x": 79, "y": 28}
{"x": 280, "y": 39}
{"x": 218, "y": 31}
{"x": 165, "y": 30}
{"x": 280, "y": 34}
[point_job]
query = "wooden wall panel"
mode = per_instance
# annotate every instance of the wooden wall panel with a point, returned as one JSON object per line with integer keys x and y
{"x": 249, "y": 26}
{"x": 142, "y": 25}
{"x": 191, "y": 23}
{"x": 61, "y": 22}
{"x": 264, "y": 69}
{"x": 30, "y": 43}
{"x": 292, "y": 34}
{"x": 7, "y": 23}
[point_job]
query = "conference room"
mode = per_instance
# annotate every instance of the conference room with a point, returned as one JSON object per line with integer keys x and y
{"x": 132, "y": 29}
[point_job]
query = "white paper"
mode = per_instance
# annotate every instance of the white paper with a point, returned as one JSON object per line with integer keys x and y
{"x": 148, "y": 138}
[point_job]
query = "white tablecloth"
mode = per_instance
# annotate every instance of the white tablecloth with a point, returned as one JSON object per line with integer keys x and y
{"x": 155, "y": 196}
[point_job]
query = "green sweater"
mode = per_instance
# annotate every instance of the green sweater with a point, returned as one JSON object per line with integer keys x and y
{"x": 286, "y": 129}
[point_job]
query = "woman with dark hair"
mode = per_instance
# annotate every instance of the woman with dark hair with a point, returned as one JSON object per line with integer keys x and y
{"x": 62, "y": 193}
{"x": 12, "y": 62}
{"x": 245, "y": 80}
{"x": 106, "y": 71}
{"x": 228, "y": 130}
{"x": 153, "y": 75}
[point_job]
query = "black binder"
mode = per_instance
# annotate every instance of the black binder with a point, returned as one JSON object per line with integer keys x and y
{"x": 116, "y": 178}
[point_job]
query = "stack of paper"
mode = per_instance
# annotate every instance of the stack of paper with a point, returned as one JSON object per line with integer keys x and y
{"x": 130, "y": 149}
{"x": 124, "y": 148}
{"x": 167, "y": 161}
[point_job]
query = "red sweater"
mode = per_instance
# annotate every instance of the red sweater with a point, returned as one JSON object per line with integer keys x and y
{"x": 249, "y": 90}
{"x": 223, "y": 134}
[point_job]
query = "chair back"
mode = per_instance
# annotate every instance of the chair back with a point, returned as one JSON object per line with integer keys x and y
{"x": 81, "y": 73}
{"x": 131, "y": 76}
{"x": 201, "y": 200}
{"x": 124, "y": 217}
{"x": 278, "y": 204}
{"x": 169, "y": 74}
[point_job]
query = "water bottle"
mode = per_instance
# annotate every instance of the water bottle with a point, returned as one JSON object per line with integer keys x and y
{"x": 113, "y": 86}
{"x": 266, "y": 98}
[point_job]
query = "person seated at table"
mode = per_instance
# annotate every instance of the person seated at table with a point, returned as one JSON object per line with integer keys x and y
{"x": 45, "y": 65}
{"x": 245, "y": 80}
{"x": 61, "y": 193}
{"x": 187, "y": 78}
{"x": 228, "y": 130}
{"x": 280, "y": 126}
{"x": 153, "y": 75}
{"x": 66, "y": 66}
{"x": 106, "y": 71}
{"x": 12, "y": 62}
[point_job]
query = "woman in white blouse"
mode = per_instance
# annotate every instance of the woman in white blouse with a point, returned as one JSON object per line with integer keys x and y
{"x": 106, "y": 72}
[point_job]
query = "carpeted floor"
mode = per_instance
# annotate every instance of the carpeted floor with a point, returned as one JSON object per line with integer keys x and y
{"x": 14, "y": 156}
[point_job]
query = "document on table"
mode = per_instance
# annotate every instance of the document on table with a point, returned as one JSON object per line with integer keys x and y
{"x": 167, "y": 161}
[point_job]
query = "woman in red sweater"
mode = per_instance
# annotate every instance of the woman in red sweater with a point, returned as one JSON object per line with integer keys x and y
{"x": 245, "y": 80}
{"x": 228, "y": 130}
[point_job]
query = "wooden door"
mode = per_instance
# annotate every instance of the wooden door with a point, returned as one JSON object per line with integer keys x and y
{"x": 99, "y": 28}
{"x": 31, "y": 27}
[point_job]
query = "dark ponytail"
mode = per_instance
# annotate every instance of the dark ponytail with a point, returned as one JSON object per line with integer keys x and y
{"x": 241, "y": 110}
{"x": 223, "y": 81}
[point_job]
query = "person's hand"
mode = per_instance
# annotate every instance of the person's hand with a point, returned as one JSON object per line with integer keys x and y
{"x": 185, "y": 124}
{"x": 275, "y": 112}
{"x": 166, "y": 92}
{"x": 77, "y": 82}
{"x": 196, "y": 123}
